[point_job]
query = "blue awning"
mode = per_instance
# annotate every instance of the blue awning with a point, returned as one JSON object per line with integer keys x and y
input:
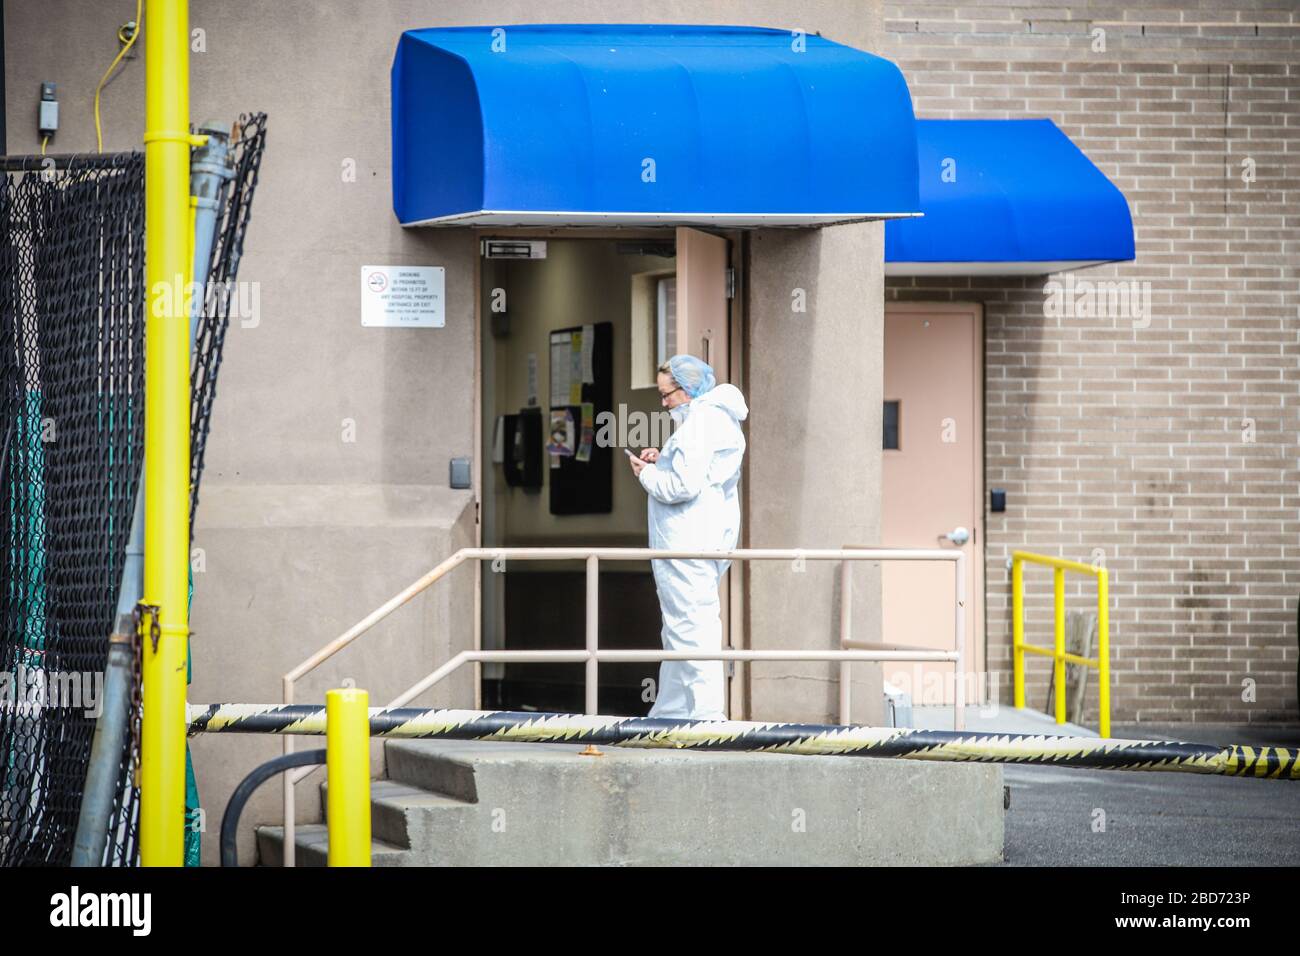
{"x": 1007, "y": 197}
{"x": 625, "y": 124}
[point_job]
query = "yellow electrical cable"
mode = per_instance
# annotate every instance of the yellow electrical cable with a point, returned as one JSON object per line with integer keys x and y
{"x": 44, "y": 143}
{"x": 99, "y": 134}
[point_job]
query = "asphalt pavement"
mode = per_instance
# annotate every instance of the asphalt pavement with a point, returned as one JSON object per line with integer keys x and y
{"x": 1064, "y": 817}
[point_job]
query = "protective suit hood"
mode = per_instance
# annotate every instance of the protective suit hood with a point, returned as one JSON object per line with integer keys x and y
{"x": 726, "y": 397}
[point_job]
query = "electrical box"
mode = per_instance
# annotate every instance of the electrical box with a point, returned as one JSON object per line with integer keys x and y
{"x": 460, "y": 474}
{"x": 48, "y": 118}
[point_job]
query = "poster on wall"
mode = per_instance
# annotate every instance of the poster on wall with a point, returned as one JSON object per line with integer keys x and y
{"x": 587, "y": 348}
{"x": 561, "y": 343}
{"x": 587, "y": 432}
{"x": 561, "y": 442}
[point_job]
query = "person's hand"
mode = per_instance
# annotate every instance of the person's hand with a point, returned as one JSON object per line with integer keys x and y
{"x": 650, "y": 454}
{"x": 637, "y": 464}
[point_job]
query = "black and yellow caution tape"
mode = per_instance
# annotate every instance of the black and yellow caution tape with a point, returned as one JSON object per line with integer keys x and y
{"x": 1273, "y": 763}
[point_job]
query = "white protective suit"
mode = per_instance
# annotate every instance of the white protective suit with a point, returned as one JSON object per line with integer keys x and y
{"x": 693, "y": 507}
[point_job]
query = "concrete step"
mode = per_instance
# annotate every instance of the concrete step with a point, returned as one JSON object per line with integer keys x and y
{"x": 551, "y": 804}
{"x": 311, "y": 841}
{"x": 442, "y": 768}
{"x": 392, "y": 806}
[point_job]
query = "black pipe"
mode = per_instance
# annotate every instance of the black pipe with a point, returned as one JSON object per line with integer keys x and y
{"x": 259, "y": 776}
{"x": 69, "y": 161}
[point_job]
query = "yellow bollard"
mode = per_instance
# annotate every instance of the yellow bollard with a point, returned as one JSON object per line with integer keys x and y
{"x": 167, "y": 143}
{"x": 347, "y": 765}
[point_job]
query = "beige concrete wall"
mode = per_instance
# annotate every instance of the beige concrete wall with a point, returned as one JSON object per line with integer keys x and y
{"x": 288, "y": 568}
{"x": 302, "y": 531}
{"x": 813, "y": 463}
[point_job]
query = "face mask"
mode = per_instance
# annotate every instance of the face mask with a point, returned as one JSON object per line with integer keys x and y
{"x": 678, "y": 412}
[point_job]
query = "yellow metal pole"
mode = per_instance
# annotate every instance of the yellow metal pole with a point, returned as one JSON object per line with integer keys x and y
{"x": 166, "y": 431}
{"x": 1018, "y": 629}
{"x": 1058, "y": 577}
{"x": 1103, "y": 649}
{"x": 347, "y": 765}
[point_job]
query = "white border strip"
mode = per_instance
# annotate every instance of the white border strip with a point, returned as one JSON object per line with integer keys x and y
{"x": 1022, "y": 268}
{"x": 511, "y": 217}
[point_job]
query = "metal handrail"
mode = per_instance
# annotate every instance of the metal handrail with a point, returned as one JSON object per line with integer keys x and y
{"x": 1058, "y": 653}
{"x": 849, "y": 650}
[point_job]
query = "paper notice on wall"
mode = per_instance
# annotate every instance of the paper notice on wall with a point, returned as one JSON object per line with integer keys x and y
{"x": 588, "y": 432}
{"x": 588, "y": 346}
{"x": 575, "y": 368}
{"x": 560, "y": 365}
{"x": 532, "y": 379}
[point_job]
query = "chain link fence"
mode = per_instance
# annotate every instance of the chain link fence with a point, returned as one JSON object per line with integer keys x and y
{"x": 71, "y": 450}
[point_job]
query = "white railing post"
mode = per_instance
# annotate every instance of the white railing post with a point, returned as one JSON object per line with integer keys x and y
{"x": 959, "y": 696}
{"x": 290, "y": 831}
{"x": 846, "y": 635}
{"x": 592, "y": 679}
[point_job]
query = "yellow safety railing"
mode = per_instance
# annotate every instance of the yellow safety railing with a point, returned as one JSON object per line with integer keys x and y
{"x": 1058, "y": 654}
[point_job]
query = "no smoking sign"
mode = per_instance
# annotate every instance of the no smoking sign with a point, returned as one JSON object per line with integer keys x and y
{"x": 403, "y": 296}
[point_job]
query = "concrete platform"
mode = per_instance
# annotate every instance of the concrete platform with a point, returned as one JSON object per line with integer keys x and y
{"x": 471, "y": 803}
{"x": 1000, "y": 719}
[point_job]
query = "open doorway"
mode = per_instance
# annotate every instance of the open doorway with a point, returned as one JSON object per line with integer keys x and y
{"x": 572, "y": 330}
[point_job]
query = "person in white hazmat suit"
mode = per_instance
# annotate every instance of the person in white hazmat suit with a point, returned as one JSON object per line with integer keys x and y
{"x": 692, "y": 506}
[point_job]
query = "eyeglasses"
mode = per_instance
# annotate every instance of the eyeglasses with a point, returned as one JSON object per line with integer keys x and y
{"x": 663, "y": 396}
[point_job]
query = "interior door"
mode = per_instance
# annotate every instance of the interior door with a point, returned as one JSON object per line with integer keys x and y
{"x": 703, "y": 322}
{"x": 702, "y": 305}
{"x": 933, "y": 490}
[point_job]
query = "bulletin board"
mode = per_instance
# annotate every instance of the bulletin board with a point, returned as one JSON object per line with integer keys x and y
{"x": 580, "y": 472}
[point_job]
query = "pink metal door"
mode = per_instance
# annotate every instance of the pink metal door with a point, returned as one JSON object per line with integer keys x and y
{"x": 933, "y": 490}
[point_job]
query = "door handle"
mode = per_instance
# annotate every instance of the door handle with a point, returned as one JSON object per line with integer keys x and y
{"x": 957, "y": 536}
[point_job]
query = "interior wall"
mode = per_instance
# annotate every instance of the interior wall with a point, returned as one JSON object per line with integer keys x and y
{"x": 581, "y": 281}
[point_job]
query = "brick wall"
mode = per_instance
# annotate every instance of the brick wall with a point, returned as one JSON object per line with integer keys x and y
{"x": 1167, "y": 447}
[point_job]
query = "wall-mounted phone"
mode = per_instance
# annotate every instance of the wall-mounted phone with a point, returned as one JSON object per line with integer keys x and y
{"x": 522, "y": 448}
